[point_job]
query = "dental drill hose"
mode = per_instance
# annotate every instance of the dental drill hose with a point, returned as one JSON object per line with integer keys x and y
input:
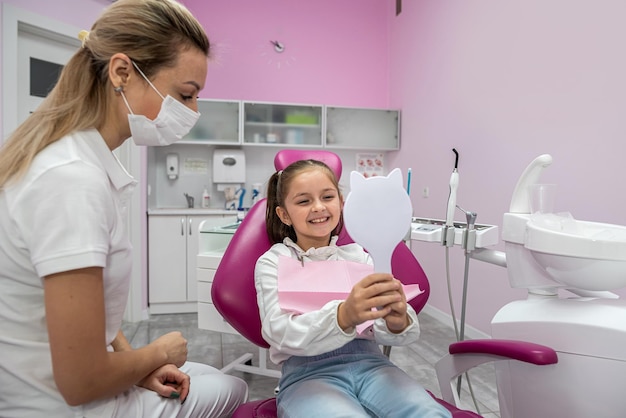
{"x": 454, "y": 184}
{"x": 448, "y": 232}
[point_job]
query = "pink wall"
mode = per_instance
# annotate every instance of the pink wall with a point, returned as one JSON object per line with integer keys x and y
{"x": 503, "y": 82}
{"x": 335, "y": 51}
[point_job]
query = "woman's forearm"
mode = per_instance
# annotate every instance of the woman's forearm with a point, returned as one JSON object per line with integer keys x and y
{"x": 83, "y": 369}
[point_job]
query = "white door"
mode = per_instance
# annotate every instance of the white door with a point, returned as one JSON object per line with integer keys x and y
{"x": 40, "y": 57}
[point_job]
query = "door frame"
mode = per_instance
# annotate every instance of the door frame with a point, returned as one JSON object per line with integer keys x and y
{"x": 132, "y": 157}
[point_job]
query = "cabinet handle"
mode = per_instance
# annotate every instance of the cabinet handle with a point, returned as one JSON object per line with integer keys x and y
{"x": 182, "y": 226}
{"x": 190, "y": 228}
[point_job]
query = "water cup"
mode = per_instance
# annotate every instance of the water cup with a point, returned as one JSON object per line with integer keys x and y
{"x": 542, "y": 198}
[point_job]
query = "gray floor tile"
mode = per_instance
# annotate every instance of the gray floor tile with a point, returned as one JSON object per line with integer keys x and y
{"x": 416, "y": 360}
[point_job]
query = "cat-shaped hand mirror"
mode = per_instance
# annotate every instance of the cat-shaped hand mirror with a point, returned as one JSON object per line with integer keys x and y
{"x": 377, "y": 215}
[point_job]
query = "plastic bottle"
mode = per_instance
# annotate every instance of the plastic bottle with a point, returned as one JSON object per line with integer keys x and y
{"x": 205, "y": 198}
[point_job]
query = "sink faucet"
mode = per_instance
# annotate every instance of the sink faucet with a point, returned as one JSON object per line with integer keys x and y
{"x": 189, "y": 200}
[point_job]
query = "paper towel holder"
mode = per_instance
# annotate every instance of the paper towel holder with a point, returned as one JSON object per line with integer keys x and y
{"x": 229, "y": 166}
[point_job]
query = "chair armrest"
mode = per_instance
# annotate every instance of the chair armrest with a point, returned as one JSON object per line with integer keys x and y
{"x": 465, "y": 355}
{"x": 512, "y": 349}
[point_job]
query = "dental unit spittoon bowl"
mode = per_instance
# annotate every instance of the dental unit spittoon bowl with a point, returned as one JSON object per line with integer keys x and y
{"x": 546, "y": 252}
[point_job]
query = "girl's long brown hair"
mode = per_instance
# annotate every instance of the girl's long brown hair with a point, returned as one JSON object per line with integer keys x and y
{"x": 277, "y": 189}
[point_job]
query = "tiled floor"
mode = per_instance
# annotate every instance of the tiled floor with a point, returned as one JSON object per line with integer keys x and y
{"x": 417, "y": 360}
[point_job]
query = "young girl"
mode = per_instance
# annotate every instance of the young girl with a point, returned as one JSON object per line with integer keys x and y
{"x": 328, "y": 370}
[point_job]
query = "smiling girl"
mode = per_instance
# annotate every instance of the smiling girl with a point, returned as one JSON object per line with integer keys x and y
{"x": 328, "y": 369}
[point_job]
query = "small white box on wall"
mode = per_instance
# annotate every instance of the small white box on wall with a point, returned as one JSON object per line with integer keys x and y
{"x": 229, "y": 166}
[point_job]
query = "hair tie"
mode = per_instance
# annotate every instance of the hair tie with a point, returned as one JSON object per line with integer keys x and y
{"x": 278, "y": 185}
{"x": 83, "y": 36}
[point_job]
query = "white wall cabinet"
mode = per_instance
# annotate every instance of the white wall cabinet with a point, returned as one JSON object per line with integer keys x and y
{"x": 285, "y": 124}
{"x": 219, "y": 123}
{"x": 372, "y": 129}
{"x": 172, "y": 253}
{"x": 295, "y": 126}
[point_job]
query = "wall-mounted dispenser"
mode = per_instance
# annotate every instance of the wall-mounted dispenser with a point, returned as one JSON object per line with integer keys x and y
{"x": 171, "y": 165}
{"x": 229, "y": 166}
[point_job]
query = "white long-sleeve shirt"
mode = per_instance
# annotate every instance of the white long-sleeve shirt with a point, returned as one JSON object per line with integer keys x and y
{"x": 317, "y": 332}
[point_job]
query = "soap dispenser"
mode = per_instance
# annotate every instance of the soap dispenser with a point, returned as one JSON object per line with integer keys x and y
{"x": 171, "y": 162}
{"x": 205, "y": 198}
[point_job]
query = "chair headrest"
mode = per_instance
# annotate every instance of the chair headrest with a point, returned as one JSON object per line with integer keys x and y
{"x": 288, "y": 156}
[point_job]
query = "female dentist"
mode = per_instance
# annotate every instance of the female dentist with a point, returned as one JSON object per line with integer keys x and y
{"x": 65, "y": 263}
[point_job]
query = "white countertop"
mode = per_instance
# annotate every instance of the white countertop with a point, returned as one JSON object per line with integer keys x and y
{"x": 190, "y": 211}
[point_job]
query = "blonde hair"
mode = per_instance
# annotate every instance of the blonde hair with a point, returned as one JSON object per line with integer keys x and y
{"x": 151, "y": 32}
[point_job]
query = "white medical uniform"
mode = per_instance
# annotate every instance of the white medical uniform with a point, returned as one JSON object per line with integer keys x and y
{"x": 69, "y": 212}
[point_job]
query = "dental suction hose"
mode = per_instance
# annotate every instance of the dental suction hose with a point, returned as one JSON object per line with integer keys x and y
{"x": 469, "y": 235}
{"x": 448, "y": 230}
{"x": 469, "y": 244}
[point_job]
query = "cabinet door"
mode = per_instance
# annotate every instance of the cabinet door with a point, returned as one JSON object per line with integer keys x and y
{"x": 167, "y": 259}
{"x": 218, "y": 123}
{"x": 276, "y": 124}
{"x": 377, "y": 129}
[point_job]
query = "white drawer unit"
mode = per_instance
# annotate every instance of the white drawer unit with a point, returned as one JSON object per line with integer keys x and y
{"x": 212, "y": 244}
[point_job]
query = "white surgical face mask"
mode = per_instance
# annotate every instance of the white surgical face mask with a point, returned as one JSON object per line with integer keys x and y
{"x": 173, "y": 122}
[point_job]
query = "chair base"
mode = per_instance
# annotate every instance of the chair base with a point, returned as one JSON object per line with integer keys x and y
{"x": 261, "y": 369}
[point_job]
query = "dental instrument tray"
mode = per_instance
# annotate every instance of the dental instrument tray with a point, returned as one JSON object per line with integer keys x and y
{"x": 430, "y": 230}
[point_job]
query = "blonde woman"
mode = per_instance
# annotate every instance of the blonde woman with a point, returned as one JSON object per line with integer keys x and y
{"x": 64, "y": 252}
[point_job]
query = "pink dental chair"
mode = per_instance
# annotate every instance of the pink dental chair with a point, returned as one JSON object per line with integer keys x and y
{"x": 234, "y": 295}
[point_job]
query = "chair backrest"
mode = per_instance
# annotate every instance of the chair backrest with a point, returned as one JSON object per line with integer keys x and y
{"x": 233, "y": 291}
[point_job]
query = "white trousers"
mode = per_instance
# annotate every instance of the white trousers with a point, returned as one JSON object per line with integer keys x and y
{"x": 212, "y": 394}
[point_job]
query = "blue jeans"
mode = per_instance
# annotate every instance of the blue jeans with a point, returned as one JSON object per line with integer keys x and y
{"x": 356, "y": 380}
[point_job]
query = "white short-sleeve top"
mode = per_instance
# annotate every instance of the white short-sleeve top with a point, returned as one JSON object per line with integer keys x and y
{"x": 68, "y": 212}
